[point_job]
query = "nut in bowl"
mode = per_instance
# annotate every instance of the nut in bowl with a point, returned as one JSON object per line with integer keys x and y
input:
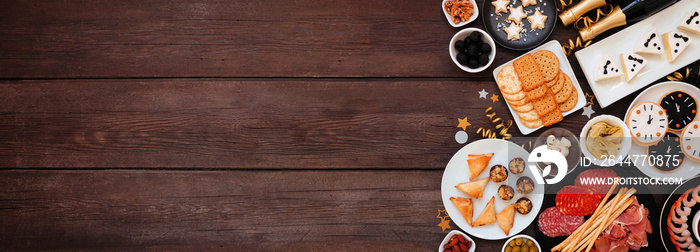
{"x": 460, "y": 12}
{"x": 603, "y": 137}
{"x": 472, "y": 50}
{"x": 521, "y": 243}
{"x": 563, "y": 141}
{"x": 456, "y": 238}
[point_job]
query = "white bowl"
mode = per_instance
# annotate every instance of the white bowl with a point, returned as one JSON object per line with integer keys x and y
{"x": 449, "y": 16}
{"x": 626, "y": 140}
{"x": 454, "y": 232}
{"x": 537, "y": 244}
{"x": 461, "y": 35}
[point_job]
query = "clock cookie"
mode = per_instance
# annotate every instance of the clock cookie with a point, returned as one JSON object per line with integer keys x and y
{"x": 680, "y": 109}
{"x": 650, "y": 43}
{"x": 607, "y": 69}
{"x": 690, "y": 141}
{"x": 691, "y": 21}
{"x": 647, "y": 123}
{"x": 632, "y": 64}
{"x": 669, "y": 146}
{"x": 675, "y": 42}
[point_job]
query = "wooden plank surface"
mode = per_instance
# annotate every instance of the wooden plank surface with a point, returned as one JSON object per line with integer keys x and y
{"x": 211, "y": 38}
{"x": 246, "y": 123}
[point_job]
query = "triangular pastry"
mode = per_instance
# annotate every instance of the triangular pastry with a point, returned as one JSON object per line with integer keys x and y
{"x": 465, "y": 207}
{"x": 632, "y": 64}
{"x": 650, "y": 43}
{"x": 474, "y": 188}
{"x": 505, "y": 218}
{"x": 488, "y": 216}
{"x": 675, "y": 43}
{"x": 477, "y": 164}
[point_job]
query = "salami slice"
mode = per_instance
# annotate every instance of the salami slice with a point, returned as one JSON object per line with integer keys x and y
{"x": 600, "y": 179}
{"x": 577, "y": 200}
{"x": 552, "y": 223}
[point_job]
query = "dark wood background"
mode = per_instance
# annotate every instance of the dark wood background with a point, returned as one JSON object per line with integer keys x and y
{"x": 234, "y": 125}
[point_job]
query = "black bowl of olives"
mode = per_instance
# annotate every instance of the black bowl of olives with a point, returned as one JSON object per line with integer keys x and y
{"x": 472, "y": 50}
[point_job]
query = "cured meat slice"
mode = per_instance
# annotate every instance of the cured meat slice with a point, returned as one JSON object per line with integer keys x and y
{"x": 552, "y": 223}
{"x": 577, "y": 200}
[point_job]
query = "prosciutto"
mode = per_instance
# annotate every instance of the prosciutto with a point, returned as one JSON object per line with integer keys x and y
{"x": 628, "y": 231}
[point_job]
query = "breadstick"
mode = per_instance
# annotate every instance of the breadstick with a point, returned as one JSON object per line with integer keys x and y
{"x": 591, "y": 241}
{"x": 612, "y": 211}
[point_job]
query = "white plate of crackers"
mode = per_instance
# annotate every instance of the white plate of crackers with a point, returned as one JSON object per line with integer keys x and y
{"x": 539, "y": 87}
{"x": 663, "y": 164}
{"x": 488, "y": 191}
{"x": 631, "y": 41}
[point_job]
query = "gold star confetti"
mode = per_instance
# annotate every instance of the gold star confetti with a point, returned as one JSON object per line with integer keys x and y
{"x": 444, "y": 222}
{"x": 589, "y": 102}
{"x": 463, "y": 123}
{"x": 494, "y": 98}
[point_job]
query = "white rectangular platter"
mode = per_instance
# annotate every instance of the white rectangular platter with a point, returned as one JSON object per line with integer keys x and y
{"x": 611, "y": 90}
{"x": 565, "y": 67}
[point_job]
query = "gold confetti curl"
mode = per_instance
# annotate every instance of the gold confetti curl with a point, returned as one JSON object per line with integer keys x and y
{"x": 587, "y": 21}
{"x": 676, "y": 76}
{"x": 502, "y": 126}
{"x": 569, "y": 47}
{"x": 564, "y": 4}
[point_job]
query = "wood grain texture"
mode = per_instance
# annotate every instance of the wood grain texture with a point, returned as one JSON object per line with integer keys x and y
{"x": 266, "y": 123}
{"x": 211, "y": 38}
{"x": 224, "y": 210}
{"x": 220, "y": 210}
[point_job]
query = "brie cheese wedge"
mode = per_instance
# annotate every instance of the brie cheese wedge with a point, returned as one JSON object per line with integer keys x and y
{"x": 607, "y": 69}
{"x": 650, "y": 43}
{"x": 632, "y": 64}
{"x": 691, "y": 21}
{"x": 675, "y": 42}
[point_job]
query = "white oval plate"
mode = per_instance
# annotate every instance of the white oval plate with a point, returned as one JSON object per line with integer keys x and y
{"x": 689, "y": 168}
{"x": 457, "y": 172}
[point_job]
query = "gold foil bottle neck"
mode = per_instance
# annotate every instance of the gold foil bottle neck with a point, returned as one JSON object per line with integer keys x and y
{"x": 569, "y": 16}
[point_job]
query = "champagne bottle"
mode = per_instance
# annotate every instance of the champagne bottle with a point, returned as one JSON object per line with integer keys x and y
{"x": 629, "y": 12}
{"x": 572, "y": 14}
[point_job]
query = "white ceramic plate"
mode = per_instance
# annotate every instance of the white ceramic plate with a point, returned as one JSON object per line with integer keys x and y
{"x": 689, "y": 168}
{"x": 565, "y": 67}
{"x": 611, "y": 90}
{"x": 449, "y": 16}
{"x": 457, "y": 172}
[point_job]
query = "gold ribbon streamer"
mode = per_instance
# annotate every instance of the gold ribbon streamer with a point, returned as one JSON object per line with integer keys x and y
{"x": 502, "y": 126}
{"x": 564, "y": 4}
{"x": 676, "y": 76}
{"x": 568, "y": 48}
{"x": 587, "y": 21}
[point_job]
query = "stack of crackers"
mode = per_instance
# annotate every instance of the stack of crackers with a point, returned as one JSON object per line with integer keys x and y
{"x": 537, "y": 89}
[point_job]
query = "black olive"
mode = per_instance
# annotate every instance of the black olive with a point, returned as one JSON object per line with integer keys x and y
{"x": 467, "y": 40}
{"x": 473, "y": 49}
{"x": 459, "y": 45}
{"x": 483, "y": 59}
{"x": 485, "y": 48}
{"x": 475, "y": 36}
{"x": 462, "y": 58}
{"x": 473, "y": 63}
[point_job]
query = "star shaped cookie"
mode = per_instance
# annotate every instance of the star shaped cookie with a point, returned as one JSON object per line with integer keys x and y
{"x": 501, "y": 6}
{"x": 516, "y": 14}
{"x": 527, "y": 3}
{"x": 513, "y": 31}
{"x": 537, "y": 20}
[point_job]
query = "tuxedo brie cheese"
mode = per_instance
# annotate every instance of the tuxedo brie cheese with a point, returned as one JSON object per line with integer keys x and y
{"x": 691, "y": 21}
{"x": 650, "y": 43}
{"x": 607, "y": 69}
{"x": 675, "y": 42}
{"x": 632, "y": 64}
